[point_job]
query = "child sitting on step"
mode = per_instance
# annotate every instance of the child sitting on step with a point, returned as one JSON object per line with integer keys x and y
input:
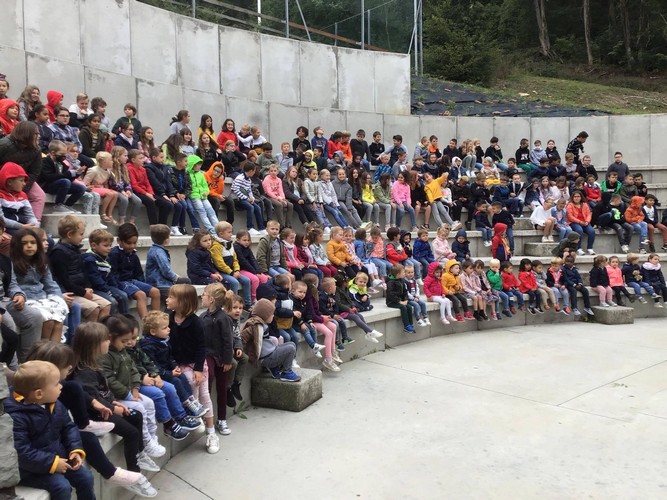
{"x": 418, "y": 305}
{"x": 397, "y": 296}
{"x": 600, "y": 281}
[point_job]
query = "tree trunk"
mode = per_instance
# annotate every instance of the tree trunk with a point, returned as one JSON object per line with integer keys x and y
{"x": 625, "y": 21}
{"x": 541, "y": 14}
{"x": 587, "y": 31}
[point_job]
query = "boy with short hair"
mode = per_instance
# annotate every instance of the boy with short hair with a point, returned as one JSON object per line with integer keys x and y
{"x": 182, "y": 186}
{"x": 127, "y": 272}
{"x": 68, "y": 270}
{"x": 56, "y": 178}
{"x": 397, "y": 296}
{"x": 376, "y": 148}
{"x": 556, "y": 282}
{"x": 418, "y": 305}
{"x": 271, "y": 251}
{"x": 242, "y": 189}
{"x": 482, "y": 222}
{"x": 266, "y": 159}
{"x": 574, "y": 283}
{"x": 511, "y": 285}
{"x": 48, "y": 444}
{"x": 422, "y": 251}
{"x": 98, "y": 270}
{"x": 158, "y": 262}
{"x": 576, "y": 145}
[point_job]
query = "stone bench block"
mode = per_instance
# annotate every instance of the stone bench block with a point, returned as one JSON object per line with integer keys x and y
{"x": 532, "y": 249}
{"x": 50, "y": 222}
{"x": 27, "y": 493}
{"x": 291, "y": 396}
{"x": 614, "y": 315}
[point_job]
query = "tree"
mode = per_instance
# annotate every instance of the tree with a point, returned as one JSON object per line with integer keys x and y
{"x": 587, "y": 31}
{"x": 541, "y": 13}
{"x": 625, "y": 21}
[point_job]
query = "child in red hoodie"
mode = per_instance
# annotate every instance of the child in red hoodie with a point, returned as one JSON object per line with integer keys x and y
{"x": 395, "y": 252}
{"x": 500, "y": 245}
{"x": 528, "y": 284}
{"x": 16, "y": 209}
{"x": 511, "y": 285}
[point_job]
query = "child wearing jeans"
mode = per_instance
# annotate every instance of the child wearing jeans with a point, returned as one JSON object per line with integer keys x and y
{"x": 575, "y": 284}
{"x": 348, "y": 310}
{"x": 496, "y": 282}
{"x": 158, "y": 262}
{"x": 270, "y": 251}
{"x": 300, "y": 322}
{"x": 418, "y": 305}
{"x": 397, "y": 296}
{"x": 511, "y": 285}
{"x": 546, "y": 293}
{"x": 556, "y": 281}
{"x": 632, "y": 273}
{"x": 482, "y": 222}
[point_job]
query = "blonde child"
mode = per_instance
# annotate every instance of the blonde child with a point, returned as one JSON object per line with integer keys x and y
{"x": 348, "y": 309}
{"x": 273, "y": 187}
{"x": 338, "y": 254}
{"x": 372, "y": 271}
{"x": 128, "y": 202}
{"x": 441, "y": 249}
{"x": 377, "y": 252}
{"x": 371, "y": 205}
{"x": 313, "y": 197}
{"x": 322, "y": 324}
{"x": 358, "y": 289}
{"x": 556, "y": 282}
{"x": 99, "y": 179}
{"x": 545, "y": 291}
{"x": 187, "y": 339}
{"x": 319, "y": 253}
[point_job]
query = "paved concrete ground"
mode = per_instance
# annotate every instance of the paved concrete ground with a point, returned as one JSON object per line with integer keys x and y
{"x": 552, "y": 412}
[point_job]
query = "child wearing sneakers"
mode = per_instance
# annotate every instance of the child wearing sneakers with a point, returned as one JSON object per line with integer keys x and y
{"x": 490, "y": 295}
{"x": 600, "y": 281}
{"x": 496, "y": 282}
{"x": 556, "y": 281}
{"x": 301, "y": 323}
{"x": 654, "y": 276}
{"x": 472, "y": 289}
{"x": 234, "y": 309}
{"x": 358, "y": 287}
{"x": 348, "y": 310}
{"x": 632, "y": 273}
{"x": 511, "y": 285}
{"x": 434, "y": 292}
{"x": 322, "y": 324}
{"x": 574, "y": 284}
{"x": 451, "y": 286}
{"x": 546, "y": 293}
{"x": 397, "y": 296}
{"x": 418, "y": 305}
{"x": 528, "y": 285}
{"x": 329, "y": 307}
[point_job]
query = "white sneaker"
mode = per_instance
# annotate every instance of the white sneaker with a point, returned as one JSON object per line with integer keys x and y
{"x": 420, "y": 282}
{"x": 263, "y": 232}
{"x": 330, "y": 365}
{"x": 327, "y": 230}
{"x": 550, "y": 239}
{"x": 625, "y": 248}
{"x": 102, "y": 226}
{"x": 154, "y": 449}
{"x": 421, "y": 322}
{"x": 98, "y": 428}
{"x": 487, "y": 243}
{"x": 175, "y": 231}
{"x": 428, "y": 321}
{"x": 580, "y": 252}
{"x": 604, "y": 304}
{"x": 377, "y": 283}
{"x": 124, "y": 477}
{"x": 376, "y": 334}
{"x": 370, "y": 338}
{"x": 456, "y": 225}
{"x": 146, "y": 463}
{"x": 445, "y": 321}
{"x": 545, "y": 239}
{"x": 62, "y": 209}
{"x": 143, "y": 488}
{"x": 316, "y": 350}
{"x": 295, "y": 364}
{"x": 223, "y": 428}
{"x": 254, "y": 232}
{"x": 336, "y": 357}
{"x": 590, "y": 252}
{"x": 212, "y": 443}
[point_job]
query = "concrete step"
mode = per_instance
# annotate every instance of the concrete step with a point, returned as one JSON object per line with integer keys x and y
{"x": 538, "y": 249}
{"x": 269, "y": 392}
{"x": 614, "y": 315}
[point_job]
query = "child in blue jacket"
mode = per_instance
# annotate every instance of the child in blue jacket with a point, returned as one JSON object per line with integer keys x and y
{"x": 98, "y": 269}
{"x": 158, "y": 262}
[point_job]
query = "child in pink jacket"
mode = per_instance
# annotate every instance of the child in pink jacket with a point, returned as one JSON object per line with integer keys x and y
{"x": 400, "y": 194}
{"x": 441, "y": 250}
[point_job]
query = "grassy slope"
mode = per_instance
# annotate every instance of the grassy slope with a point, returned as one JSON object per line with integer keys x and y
{"x": 610, "y": 98}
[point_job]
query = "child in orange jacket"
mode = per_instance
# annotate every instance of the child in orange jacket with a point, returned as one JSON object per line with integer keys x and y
{"x": 634, "y": 215}
{"x": 453, "y": 290}
{"x": 338, "y": 254}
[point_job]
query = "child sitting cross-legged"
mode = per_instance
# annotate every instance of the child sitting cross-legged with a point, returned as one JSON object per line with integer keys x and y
{"x": 263, "y": 349}
{"x": 397, "y": 296}
{"x": 127, "y": 272}
{"x": 418, "y": 305}
{"x": 48, "y": 444}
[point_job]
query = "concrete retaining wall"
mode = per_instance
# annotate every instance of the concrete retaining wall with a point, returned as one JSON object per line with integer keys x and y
{"x": 165, "y": 62}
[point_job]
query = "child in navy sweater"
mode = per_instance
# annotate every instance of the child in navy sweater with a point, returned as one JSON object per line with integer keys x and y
{"x": 482, "y": 222}
{"x": 201, "y": 270}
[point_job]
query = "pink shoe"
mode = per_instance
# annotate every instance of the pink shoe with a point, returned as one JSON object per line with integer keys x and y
{"x": 452, "y": 319}
{"x": 444, "y": 321}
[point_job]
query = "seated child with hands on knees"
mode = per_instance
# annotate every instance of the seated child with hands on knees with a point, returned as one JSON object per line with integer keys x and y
{"x": 201, "y": 270}
{"x": 418, "y": 305}
{"x": 48, "y": 444}
{"x": 348, "y": 310}
{"x": 322, "y": 324}
{"x": 434, "y": 292}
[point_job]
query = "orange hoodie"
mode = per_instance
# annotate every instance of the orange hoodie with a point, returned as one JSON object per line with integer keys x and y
{"x": 634, "y": 213}
{"x": 216, "y": 186}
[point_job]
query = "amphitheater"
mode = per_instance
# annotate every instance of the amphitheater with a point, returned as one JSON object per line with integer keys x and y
{"x": 547, "y": 406}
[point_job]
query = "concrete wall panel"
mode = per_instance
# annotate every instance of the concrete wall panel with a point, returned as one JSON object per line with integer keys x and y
{"x": 319, "y": 85}
{"x": 53, "y": 74}
{"x": 283, "y": 122}
{"x": 281, "y": 70}
{"x": 199, "y": 103}
{"x": 473, "y": 127}
{"x": 598, "y": 138}
{"x": 151, "y": 100}
{"x": 630, "y": 135}
{"x": 444, "y": 127}
{"x": 105, "y": 35}
{"x": 44, "y": 37}
{"x": 329, "y": 119}
{"x": 153, "y": 37}
{"x": 249, "y": 111}
{"x": 392, "y": 83}
{"x": 13, "y": 64}
{"x": 116, "y": 89}
{"x": 510, "y": 131}
{"x": 407, "y": 126}
{"x": 11, "y": 24}
{"x": 198, "y": 63}
{"x": 240, "y": 63}
{"x": 544, "y": 129}
{"x": 370, "y": 122}
{"x": 355, "y": 87}
{"x": 658, "y": 140}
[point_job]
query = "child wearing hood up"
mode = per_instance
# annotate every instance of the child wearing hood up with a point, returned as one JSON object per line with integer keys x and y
{"x": 451, "y": 286}
{"x": 500, "y": 245}
{"x": 461, "y": 246}
{"x": 634, "y": 215}
{"x": 568, "y": 246}
{"x": 406, "y": 238}
{"x": 16, "y": 208}
{"x": 435, "y": 293}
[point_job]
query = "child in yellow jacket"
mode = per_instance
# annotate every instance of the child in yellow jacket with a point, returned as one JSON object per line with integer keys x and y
{"x": 453, "y": 290}
{"x": 225, "y": 260}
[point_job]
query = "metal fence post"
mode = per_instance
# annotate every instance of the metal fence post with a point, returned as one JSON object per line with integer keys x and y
{"x": 363, "y": 26}
{"x": 287, "y": 18}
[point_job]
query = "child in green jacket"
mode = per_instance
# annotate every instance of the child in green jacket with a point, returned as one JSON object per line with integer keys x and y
{"x": 199, "y": 194}
{"x": 496, "y": 282}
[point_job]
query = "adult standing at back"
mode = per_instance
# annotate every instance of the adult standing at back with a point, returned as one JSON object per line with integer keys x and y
{"x": 619, "y": 166}
{"x": 22, "y": 147}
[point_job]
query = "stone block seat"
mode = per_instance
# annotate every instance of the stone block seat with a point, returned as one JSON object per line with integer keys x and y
{"x": 269, "y": 392}
{"x": 614, "y": 315}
